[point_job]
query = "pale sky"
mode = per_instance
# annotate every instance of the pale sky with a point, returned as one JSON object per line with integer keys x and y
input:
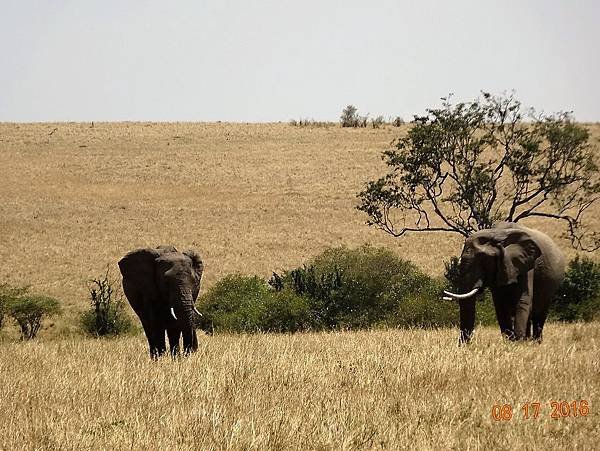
{"x": 107, "y": 60}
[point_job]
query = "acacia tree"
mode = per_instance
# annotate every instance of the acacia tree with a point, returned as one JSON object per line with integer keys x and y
{"x": 29, "y": 311}
{"x": 464, "y": 166}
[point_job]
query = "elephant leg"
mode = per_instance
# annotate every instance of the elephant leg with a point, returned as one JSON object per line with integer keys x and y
{"x": 190, "y": 341}
{"x": 544, "y": 290}
{"x": 503, "y": 307}
{"x": 149, "y": 336}
{"x": 174, "y": 334}
{"x": 523, "y": 307}
{"x": 467, "y": 320}
{"x": 160, "y": 346}
{"x": 151, "y": 328}
{"x": 538, "y": 326}
{"x": 157, "y": 331}
{"x": 194, "y": 340}
{"x": 529, "y": 326}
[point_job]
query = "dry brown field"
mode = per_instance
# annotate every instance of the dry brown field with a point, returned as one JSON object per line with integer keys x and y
{"x": 252, "y": 198}
{"x": 328, "y": 391}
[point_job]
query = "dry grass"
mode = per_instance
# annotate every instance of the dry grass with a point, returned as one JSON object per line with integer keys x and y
{"x": 252, "y": 198}
{"x": 363, "y": 390}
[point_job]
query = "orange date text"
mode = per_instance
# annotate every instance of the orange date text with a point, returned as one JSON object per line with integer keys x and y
{"x": 533, "y": 410}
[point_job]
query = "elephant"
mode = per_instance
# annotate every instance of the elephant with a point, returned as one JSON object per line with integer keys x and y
{"x": 522, "y": 267}
{"x": 162, "y": 286}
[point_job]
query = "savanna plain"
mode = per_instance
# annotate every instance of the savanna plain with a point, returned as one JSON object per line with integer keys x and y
{"x": 252, "y": 198}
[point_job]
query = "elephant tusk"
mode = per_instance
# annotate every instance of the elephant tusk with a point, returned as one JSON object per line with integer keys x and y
{"x": 173, "y": 313}
{"x": 447, "y": 298}
{"x": 462, "y": 296}
{"x": 196, "y": 310}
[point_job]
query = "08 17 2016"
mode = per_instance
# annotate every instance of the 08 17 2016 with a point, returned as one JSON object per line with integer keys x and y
{"x": 533, "y": 410}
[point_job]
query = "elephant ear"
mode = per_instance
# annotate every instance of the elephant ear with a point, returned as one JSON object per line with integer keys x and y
{"x": 138, "y": 271}
{"x": 198, "y": 268}
{"x": 518, "y": 253}
{"x": 196, "y": 260}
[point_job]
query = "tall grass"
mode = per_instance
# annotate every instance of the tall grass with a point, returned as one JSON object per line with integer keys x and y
{"x": 345, "y": 390}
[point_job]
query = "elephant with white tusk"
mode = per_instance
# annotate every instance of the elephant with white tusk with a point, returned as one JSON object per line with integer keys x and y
{"x": 162, "y": 286}
{"x": 523, "y": 269}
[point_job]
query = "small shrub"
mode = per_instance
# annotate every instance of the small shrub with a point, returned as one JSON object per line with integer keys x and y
{"x": 29, "y": 311}
{"x": 106, "y": 316}
{"x": 349, "y": 117}
{"x": 578, "y": 297}
{"x": 398, "y": 122}
{"x": 378, "y": 122}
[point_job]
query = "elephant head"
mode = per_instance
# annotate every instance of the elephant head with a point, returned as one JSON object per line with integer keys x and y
{"x": 162, "y": 286}
{"x": 496, "y": 257}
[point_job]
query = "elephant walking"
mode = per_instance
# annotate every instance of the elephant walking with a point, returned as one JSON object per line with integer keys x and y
{"x": 162, "y": 286}
{"x": 522, "y": 267}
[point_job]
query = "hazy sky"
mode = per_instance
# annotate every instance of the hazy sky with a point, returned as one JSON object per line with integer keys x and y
{"x": 277, "y": 60}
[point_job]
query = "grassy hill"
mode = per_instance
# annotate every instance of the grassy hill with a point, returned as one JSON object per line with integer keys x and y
{"x": 252, "y": 198}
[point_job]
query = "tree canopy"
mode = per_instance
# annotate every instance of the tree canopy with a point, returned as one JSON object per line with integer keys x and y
{"x": 464, "y": 166}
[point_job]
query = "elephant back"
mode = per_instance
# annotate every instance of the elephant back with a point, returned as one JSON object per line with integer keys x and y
{"x": 553, "y": 259}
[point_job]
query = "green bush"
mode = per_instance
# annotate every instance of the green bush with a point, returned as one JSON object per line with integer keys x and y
{"x": 423, "y": 307}
{"x": 351, "y": 118}
{"x": 356, "y": 288}
{"x": 285, "y": 311}
{"x": 107, "y": 315}
{"x": 578, "y": 297}
{"x": 246, "y": 304}
{"x": 29, "y": 311}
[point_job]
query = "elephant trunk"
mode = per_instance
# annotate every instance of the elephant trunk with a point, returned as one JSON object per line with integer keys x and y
{"x": 188, "y": 331}
{"x": 466, "y": 304}
{"x": 467, "y": 319}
